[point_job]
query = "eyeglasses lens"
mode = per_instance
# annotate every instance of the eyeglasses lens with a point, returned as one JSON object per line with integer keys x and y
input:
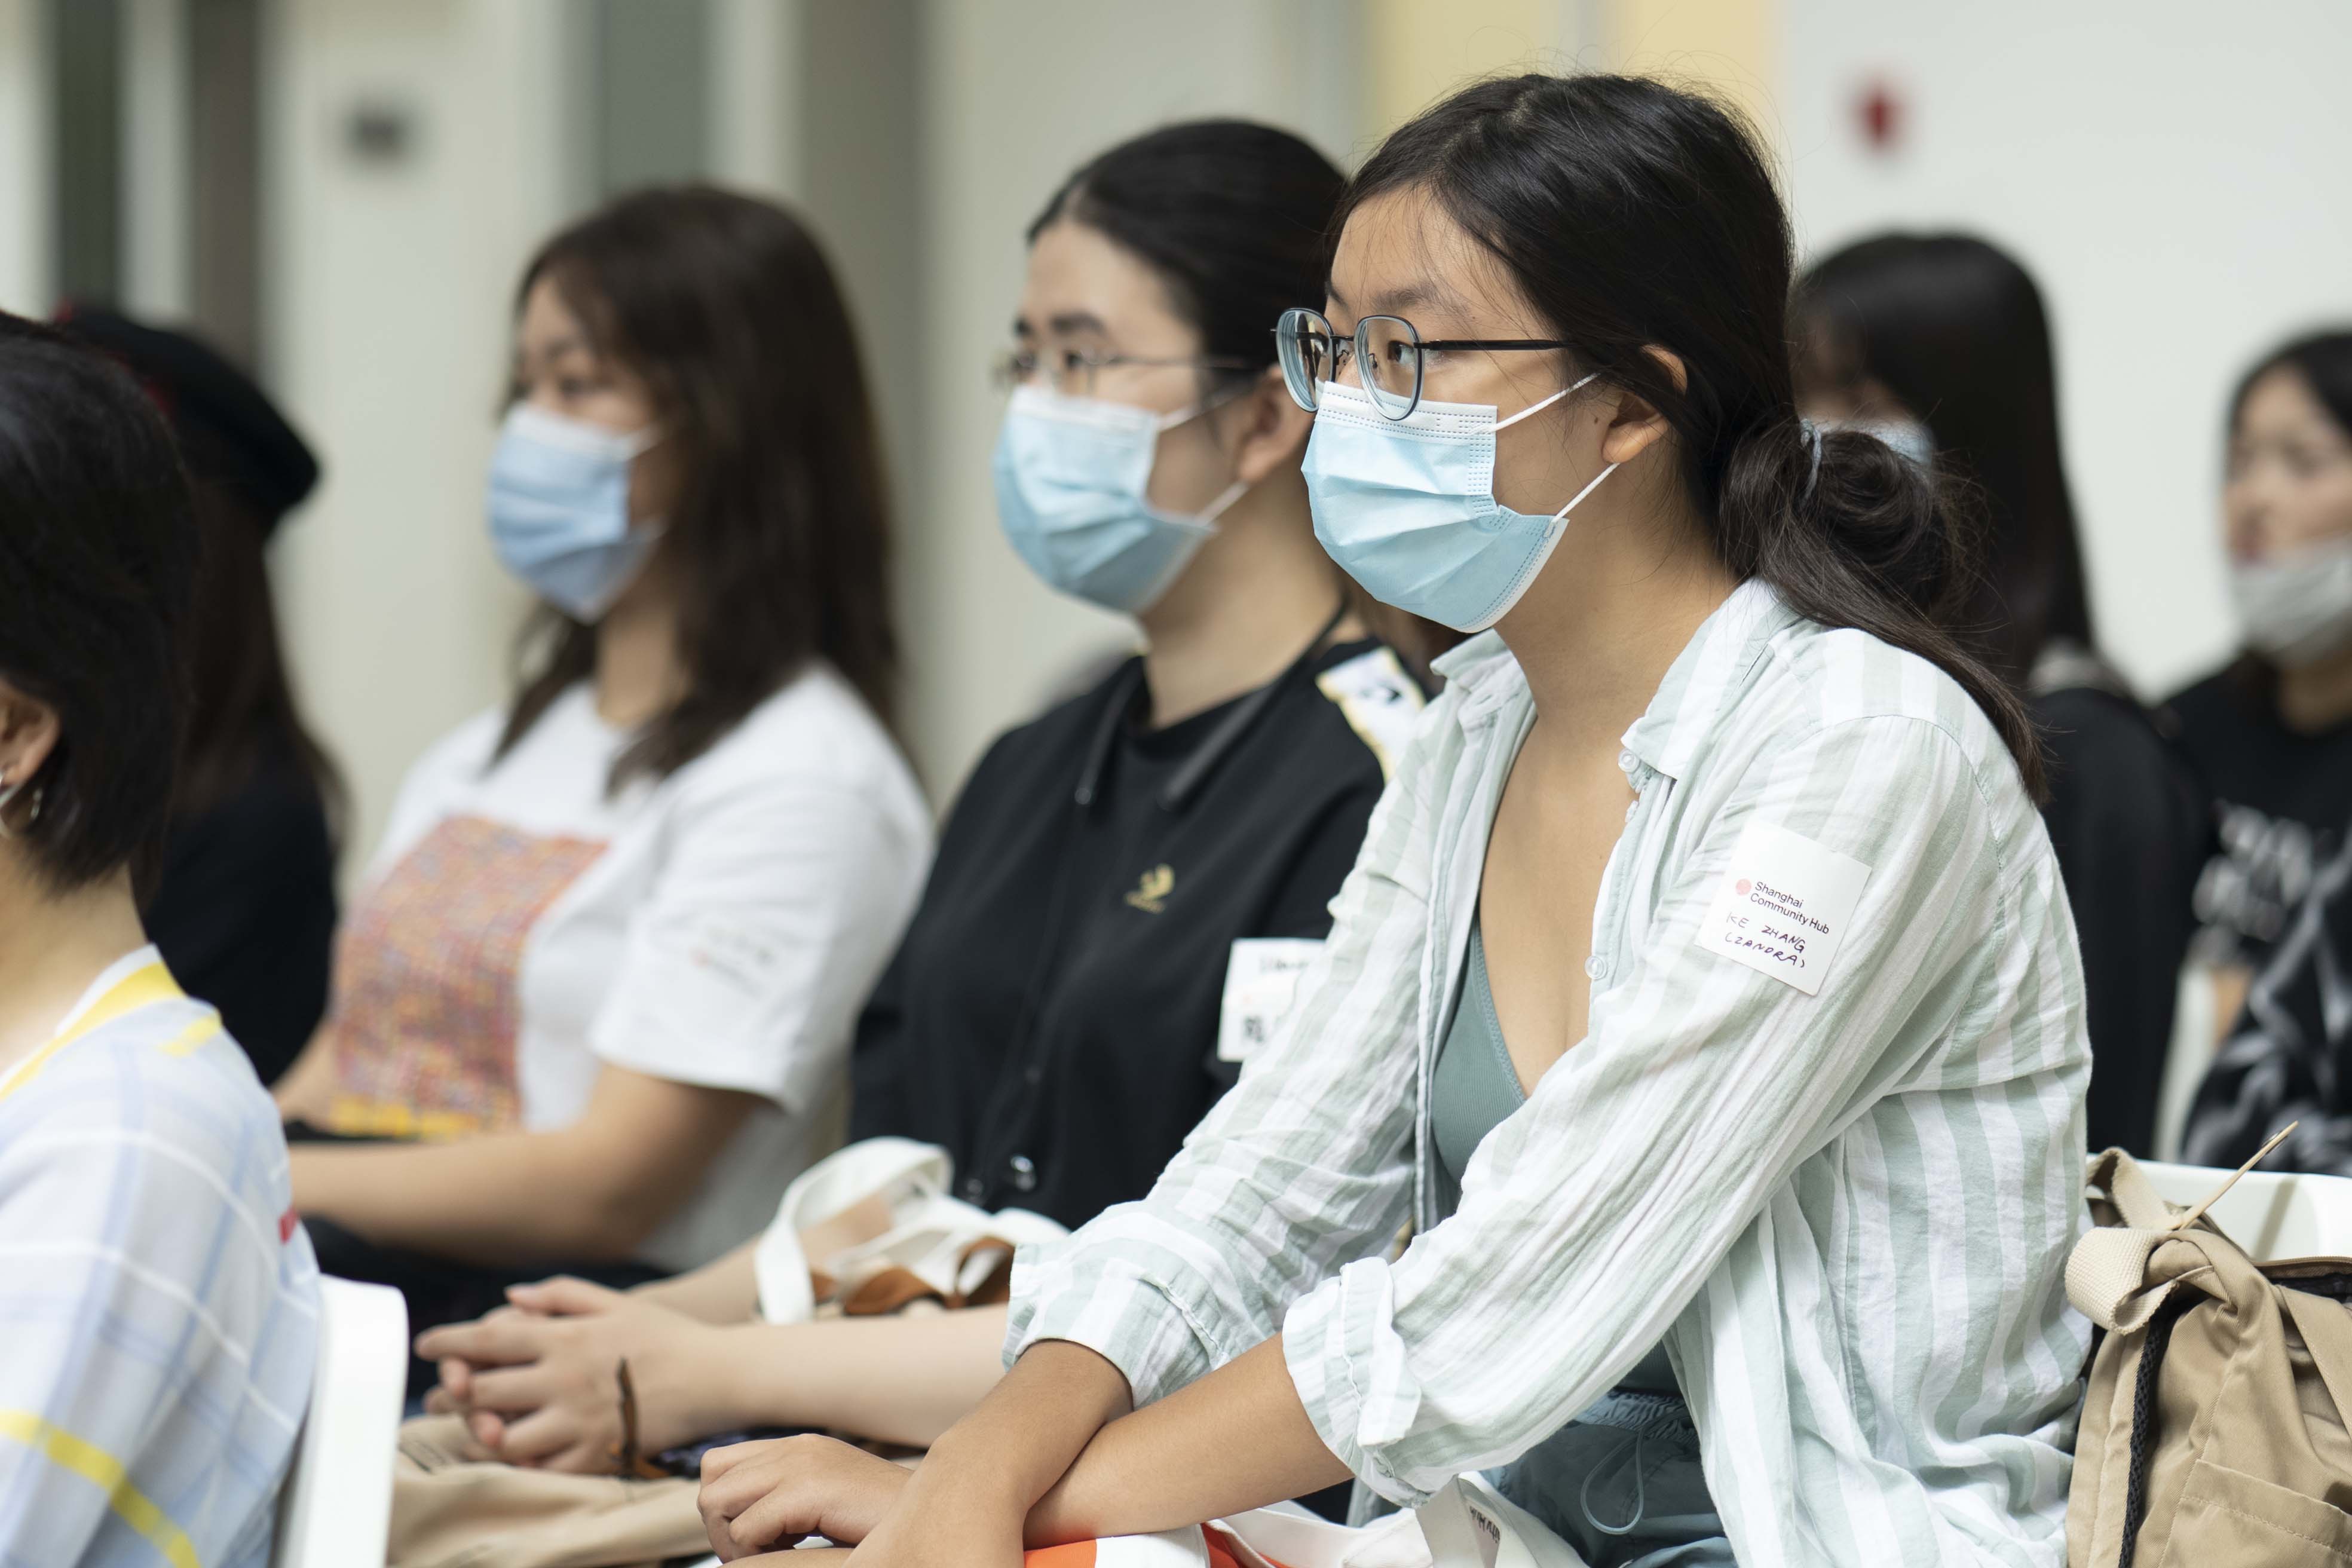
{"x": 1303, "y": 344}
{"x": 1392, "y": 368}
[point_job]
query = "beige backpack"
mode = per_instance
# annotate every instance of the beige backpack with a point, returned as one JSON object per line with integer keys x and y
{"x": 2213, "y": 1431}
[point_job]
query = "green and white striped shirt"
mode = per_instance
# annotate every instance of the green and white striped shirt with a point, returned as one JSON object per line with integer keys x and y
{"x": 1847, "y": 1213}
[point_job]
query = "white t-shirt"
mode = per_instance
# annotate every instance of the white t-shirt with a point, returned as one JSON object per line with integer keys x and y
{"x": 520, "y": 928}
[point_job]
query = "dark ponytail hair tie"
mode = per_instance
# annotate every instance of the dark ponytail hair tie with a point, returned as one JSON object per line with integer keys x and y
{"x": 1812, "y": 434}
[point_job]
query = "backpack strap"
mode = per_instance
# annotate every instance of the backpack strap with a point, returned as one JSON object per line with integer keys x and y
{"x": 2106, "y": 1274}
{"x": 2136, "y": 1198}
{"x": 2327, "y": 1329}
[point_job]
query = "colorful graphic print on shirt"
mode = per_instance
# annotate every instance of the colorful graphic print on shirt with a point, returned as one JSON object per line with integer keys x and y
{"x": 426, "y": 977}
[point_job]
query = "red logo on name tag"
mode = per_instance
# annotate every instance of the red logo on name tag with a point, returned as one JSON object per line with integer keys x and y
{"x": 1743, "y": 886}
{"x": 286, "y": 1223}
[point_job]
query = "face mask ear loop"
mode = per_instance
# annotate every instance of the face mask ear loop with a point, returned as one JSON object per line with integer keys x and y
{"x": 1231, "y": 493}
{"x": 1585, "y": 491}
{"x": 1540, "y": 407}
{"x": 1192, "y": 411}
{"x": 1225, "y": 498}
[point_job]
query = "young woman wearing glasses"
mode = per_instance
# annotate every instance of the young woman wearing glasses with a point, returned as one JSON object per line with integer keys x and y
{"x": 1127, "y": 884}
{"x": 1705, "y": 997}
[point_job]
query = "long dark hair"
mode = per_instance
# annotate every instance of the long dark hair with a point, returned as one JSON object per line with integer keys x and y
{"x": 1236, "y": 218}
{"x": 1634, "y": 216}
{"x": 1956, "y": 330}
{"x": 97, "y": 551}
{"x": 780, "y": 539}
{"x": 243, "y": 703}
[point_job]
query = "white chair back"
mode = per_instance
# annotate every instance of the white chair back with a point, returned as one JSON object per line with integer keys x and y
{"x": 336, "y": 1509}
{"x": 2272, "y": 1214}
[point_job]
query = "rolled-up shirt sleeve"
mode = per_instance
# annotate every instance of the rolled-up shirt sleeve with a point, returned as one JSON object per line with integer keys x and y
{"x": 1593, "y": 1215}
{"x": 780, "y": 903}
{"x": 1303, "y": 1165}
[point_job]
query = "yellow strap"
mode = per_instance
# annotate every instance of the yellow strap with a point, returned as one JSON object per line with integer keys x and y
{"x": 103, "y": 1470}
{"x": 194, "y": 1034}
{"x": 142, "y": 987}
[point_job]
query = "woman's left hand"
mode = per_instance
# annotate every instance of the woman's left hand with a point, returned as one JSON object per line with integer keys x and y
{"x": 757, "y": 1496}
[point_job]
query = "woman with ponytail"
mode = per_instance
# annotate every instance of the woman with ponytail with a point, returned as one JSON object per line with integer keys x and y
{"x": 1705, "y": 999}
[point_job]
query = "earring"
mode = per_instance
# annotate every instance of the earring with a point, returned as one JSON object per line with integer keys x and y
{"x": 8, "y": 794}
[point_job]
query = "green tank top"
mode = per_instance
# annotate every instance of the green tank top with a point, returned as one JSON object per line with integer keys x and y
{"x": 1622, "y": 1482}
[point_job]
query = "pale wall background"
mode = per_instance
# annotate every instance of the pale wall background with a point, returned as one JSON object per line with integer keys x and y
{"x": 2173, "y": 172}
{"x": 2175, "y": 175}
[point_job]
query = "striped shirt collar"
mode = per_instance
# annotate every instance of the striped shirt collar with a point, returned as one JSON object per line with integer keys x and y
{"x": 1698, "y": 689}
{"x": 114, "y": 973}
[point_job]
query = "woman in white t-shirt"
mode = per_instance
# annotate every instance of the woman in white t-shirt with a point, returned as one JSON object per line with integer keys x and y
{"x": 593, "y": 1005}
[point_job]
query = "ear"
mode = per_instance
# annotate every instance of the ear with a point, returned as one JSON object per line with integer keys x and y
{"x": 1270, "y": 428}
{"x": 1637, "y": 426}
{"x": 29, "y": 733}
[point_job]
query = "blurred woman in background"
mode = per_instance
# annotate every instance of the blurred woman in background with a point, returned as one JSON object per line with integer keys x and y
{"x": 595, "y": 999}
{"x": 2271, "y": 734}
{"x": 244, "y": 911}
{"x": 1940, "y": 345}
{"x": 1127, "y": 886}
{"x": 161, "y": 1324}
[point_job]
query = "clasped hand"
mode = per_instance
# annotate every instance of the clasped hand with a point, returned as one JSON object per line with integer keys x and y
{"x": 535, "y": 1380}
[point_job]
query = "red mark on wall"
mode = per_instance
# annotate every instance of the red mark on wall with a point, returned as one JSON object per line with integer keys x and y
{"x": 1882, "y": 115}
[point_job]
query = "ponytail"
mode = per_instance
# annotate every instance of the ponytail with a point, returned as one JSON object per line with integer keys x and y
{"x": 1852, "y": 534}
{"x": 1634, "y": 215}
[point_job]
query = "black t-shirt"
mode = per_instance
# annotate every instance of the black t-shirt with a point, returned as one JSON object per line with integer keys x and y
{"x": 2126, "y": 821}
{"x": 2289, "y": 1055}
{"x": 1052, "y": 1015}
{"x": 245, "y": 911}
{"x": 2279, "y": 800}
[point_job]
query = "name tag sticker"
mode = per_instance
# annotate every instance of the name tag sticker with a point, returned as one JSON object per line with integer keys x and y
{"x": 1261, "y": 983}
{"x": 1784, "y": 906}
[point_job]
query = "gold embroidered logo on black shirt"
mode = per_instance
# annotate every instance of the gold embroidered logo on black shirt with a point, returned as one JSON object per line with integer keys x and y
{"x": 1156, "y": 885}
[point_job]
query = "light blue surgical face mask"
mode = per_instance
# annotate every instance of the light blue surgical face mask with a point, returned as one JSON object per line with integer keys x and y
{"x": 559, "y": 509}
{"x": 1407, "y": 506}
{"x": 1071, "y": 473}
{"x": 1908, "y": 436}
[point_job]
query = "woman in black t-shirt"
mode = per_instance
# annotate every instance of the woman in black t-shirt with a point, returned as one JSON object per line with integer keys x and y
{"x": 1127, "y": 884}
{"x": 2271, "y": 732}
{"x": 1939, "y": 345}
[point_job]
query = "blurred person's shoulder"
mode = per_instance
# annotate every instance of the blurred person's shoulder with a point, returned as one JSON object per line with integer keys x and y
{"x": 1362, "y": 707}
{"x": 2223, "y": 709}
{"x": 1054, "y": 742}
{"x": 155, "y": 1094}
{"x": 814, "y": 732}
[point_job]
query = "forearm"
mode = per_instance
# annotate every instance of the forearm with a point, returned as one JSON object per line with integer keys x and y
{"x": 1237, "y": 1439}
{"x": 303, "y": 1091}
{"x": 725, "y": 1290}
{"x": 1012, "y": 1450}
{"x": 903, "y": 1379}
{"x": 503, "y": 1198}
